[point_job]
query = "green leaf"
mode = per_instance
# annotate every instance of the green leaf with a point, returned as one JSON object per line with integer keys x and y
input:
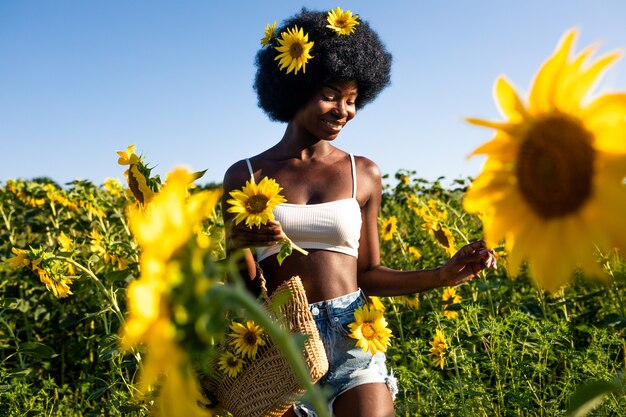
{"x": 10, "y": 303}
{"x": 454, "y": 307}
{"x": 285, "y": 250}
{"x": 38, "y": 350}
{"x": 97, "y": 393}
{"x": 115, "y": 276}
{"x": 589, "y": 395}
{"x": 198, "y": 174}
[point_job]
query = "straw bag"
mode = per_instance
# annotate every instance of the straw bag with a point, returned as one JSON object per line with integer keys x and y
{"x": 267, "y": 386}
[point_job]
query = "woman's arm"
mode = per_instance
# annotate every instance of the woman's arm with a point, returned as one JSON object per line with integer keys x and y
{"x": 376, "y": 279}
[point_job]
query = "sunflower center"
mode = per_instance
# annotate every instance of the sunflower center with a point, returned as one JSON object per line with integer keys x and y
{"x": 296, "y": 50}
{"x": 368, "y": 331}
{"x": 441, "y": 237}
{"x": 256, "y": 204}
{"x": 232, "y": 361}
{"x": 250, "y": 339}
{"x": 555, "y": 167}
{"x": 341, "y": 23}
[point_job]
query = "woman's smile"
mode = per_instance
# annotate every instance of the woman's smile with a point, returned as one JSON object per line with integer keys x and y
{"x": 333, "y": 126}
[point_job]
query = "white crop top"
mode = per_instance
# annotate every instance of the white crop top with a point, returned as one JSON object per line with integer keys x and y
{"x": 334, "y": 226}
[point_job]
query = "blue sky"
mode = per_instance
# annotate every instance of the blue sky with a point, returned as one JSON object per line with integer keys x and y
{"x": 81, "y": 79}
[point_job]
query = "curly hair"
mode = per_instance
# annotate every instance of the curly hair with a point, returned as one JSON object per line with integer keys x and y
{"x": 360, "y": 56}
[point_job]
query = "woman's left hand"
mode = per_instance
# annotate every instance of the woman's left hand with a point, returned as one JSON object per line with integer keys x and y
{"x": 466, "y": 264}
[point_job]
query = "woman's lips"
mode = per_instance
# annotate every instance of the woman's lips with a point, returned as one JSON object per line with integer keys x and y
{"x": 333, "y": 125}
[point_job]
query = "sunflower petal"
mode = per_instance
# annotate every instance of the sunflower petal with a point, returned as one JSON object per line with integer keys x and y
{"x": 546, "y": 81}
{"x": 575, "y": 91}
{"x": 509, "y": 103}
{"x": 606, "y": 117}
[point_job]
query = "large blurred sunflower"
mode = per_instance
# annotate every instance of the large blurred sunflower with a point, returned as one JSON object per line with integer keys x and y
{"x": 254, "y": 203}
{"x": 552, "y": 186}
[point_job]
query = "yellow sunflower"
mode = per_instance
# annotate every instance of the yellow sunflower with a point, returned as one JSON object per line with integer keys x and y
{"x": 230, "y": 364}
{"x": 247, "y": 338}
{"x": 128, "y": 156}
{"x": 450, "y": 297}
{"x": 20, "y": 259}
{"x": 269, "y": 34}
{"x": 342, "y": 22}
{"x": 375, "y": 303}
{"x": 255, "y": 203}
{"x": 389, "y": 227}
{"x": 60, "y": 287}
{"x": 415, "y": 253}
{"x": 138, "y": 185}
{"x": 552, "y": 185}
{"x": 294, "y": 50}
{"x": 445, "y": 238}
{"x": 370, "y": 330}
{"x": 438, "y": 348}
{"x": 113, "y": 186}
{"x": 65, "y": 243}
{"x": 412, "y": 301}
{"x": 413, "y": 202}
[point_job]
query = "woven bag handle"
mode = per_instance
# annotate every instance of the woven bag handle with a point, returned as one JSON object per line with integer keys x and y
{"x": 259, "y": 274}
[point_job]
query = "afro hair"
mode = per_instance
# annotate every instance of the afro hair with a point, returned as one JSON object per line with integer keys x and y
{"x": 360, "y": 56}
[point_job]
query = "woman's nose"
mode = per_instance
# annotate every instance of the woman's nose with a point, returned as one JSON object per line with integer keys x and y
{"x": 342, "y": 108}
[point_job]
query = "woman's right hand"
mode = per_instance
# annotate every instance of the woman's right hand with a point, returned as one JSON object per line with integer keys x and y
{"x": 241, "y": 236}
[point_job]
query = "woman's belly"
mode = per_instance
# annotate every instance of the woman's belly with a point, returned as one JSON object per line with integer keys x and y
{"x": 324, "y": 274}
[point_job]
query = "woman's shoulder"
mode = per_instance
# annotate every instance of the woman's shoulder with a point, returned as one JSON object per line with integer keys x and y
{"x": 236, "y": 175}
{"x": 369, "y": 180}
{"x": 366, "y": 167}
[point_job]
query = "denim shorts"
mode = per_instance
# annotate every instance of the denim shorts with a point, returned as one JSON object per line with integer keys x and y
{"x": 349, "y": 366}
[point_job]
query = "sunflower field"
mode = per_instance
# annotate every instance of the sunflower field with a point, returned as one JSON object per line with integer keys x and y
{"x": 100, "y": 300}
{"x": 117, "y": 300}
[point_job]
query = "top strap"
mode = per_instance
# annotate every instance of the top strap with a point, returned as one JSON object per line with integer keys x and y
{"x": 250, "y": 170}
{"x": 353, "y": 176}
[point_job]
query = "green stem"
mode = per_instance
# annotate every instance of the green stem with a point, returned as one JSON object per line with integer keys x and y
{"x": 614, "y": 289}
{"x": 460, "y": 381}
{"x": 294, "y": 246}
{"x": 111, "y": 298}
{"x": 7, "y": 224}
{"x": 483, "y": 277}
{"x": 283, "y": 340}
{"x": 397, "y": 235}
{"x": 17, "y": 343}
{"x": 398, "y": 319}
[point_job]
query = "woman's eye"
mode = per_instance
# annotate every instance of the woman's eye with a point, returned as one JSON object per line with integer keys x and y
{"x": 327, "y": 98}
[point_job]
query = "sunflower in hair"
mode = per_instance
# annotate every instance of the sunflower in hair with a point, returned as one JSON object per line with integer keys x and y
{"x": 269, "y": 34}
{"x": 344, "y": 23}
{"x": 294, "y": 50}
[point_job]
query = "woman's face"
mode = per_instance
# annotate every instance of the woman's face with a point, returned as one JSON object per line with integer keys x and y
{"x": 329, "y": 110}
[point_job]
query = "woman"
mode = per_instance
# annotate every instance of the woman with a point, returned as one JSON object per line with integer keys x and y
{"x": 320, "y": 70}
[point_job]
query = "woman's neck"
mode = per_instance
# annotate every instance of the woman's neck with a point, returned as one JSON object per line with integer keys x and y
{"x": 299, "y": 143}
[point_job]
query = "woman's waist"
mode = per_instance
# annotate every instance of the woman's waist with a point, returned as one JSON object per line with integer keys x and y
{"x": 324, "y": 276}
